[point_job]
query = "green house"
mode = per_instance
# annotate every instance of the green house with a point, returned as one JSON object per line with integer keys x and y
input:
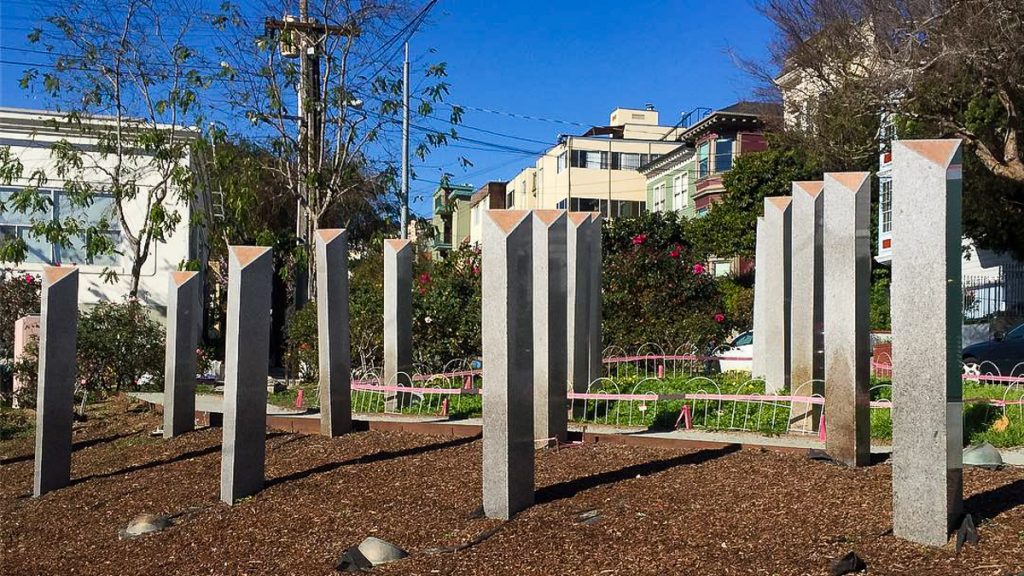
{"x": 671, "y": 184}
{"x": 452, "y": 215}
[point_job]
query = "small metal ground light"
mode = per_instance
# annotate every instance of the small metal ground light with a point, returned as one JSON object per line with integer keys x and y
{"x": 982, "y": 455}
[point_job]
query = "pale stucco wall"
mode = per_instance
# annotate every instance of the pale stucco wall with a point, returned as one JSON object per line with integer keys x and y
{"x": 32, "y": 149}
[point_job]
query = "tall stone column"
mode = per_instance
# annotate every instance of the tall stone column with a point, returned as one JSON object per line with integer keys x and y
{"x": 183, "y": 317}
{"x": 807, "y": 367}
{"x": 577, "y": 239}
{"x": 927, "y": 414}
{"x": 596, "y": 364}
{"x": 847, "y": 234}
{"x": 757, "y": 365}
{"x": 507, "y": 283}
{"x": 398, "y": 255}
{"x": 246, "y": 356}
{"x": 58, "y": 368}
{"x": 335, "y": 363}
{"x": 550, "y": 378}
{"x": 776, "y": 268}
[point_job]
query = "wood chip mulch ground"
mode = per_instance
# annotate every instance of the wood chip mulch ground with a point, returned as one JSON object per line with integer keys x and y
{"x": 657, "y": 511}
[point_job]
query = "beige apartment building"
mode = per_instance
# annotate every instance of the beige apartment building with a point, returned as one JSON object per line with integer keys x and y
{"x": 598, "y": 170}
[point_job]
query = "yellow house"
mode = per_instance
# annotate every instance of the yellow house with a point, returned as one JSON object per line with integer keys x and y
{"x": 597, "y": 170}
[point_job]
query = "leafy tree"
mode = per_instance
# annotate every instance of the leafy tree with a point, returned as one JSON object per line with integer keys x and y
{"x": 947, "y": 68}
{"x": 340, "y": 151}
{"x": 127, "y": 82}
{"x": 729, "y": 229}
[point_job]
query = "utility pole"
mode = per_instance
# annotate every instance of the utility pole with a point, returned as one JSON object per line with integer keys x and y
{"x": 302, "y": 38}
{"x": 405, "y": 145}
{"x": 302, "y": 277}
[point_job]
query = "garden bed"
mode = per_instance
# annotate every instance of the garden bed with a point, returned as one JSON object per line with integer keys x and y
{"x": 659, "y": 511}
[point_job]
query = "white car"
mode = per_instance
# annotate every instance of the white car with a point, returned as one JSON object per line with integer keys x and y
{"x": 739, "y": 353}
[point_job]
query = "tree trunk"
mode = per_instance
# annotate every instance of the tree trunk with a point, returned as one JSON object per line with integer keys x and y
{"x": 136, "y": 273}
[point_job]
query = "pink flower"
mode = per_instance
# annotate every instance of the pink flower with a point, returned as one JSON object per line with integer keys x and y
{"x": 719, "y": 317}
{"x": 29, "y": 279}
{"x": 425, "y": 278}
{"x": 698, "y": 269}
{"x": 639, "y": 239}
{"x": 476, "y": 270}
{"x": 676, "y": 251}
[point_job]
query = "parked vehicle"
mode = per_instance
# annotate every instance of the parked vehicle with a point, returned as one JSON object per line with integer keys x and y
{"x": 739, "y": 355}
{"x": 1004, "y": 352}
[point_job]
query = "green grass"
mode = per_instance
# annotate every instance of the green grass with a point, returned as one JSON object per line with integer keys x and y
{"x": 979, "y": 418}
{"x": 711, "y": 414}
{"x": 15, "y": 423}
{"x": 765, "y": 418}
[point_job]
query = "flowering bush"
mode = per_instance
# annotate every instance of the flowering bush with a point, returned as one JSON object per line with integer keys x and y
{"x": 656, "y": 288}
{"x": 446, "y": 308}
{"x": 19, "y": 296}
{"x": 119, "y": 348}
{"x": 446, "y": 313}
{"x": 117, "y": 344}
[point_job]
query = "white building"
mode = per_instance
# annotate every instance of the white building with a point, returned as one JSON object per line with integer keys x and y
{"x": 30, "y": 135}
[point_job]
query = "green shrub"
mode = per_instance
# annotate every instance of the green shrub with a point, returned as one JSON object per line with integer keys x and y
{"x": 118, "y": 344}
{"x": 366, "y": 307}
{"x": 446, "y": 308}
{"x": 301, "y": 338}
{"x": 879, "y": 315}
{"x": 446, "y": 313}
{"x": 738, "y": 295}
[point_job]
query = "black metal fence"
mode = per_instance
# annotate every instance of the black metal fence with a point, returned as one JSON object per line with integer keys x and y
{"x": 996, "y": 299}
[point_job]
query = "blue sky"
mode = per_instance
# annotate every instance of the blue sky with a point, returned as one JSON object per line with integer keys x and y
{"x": 567, "y": 61}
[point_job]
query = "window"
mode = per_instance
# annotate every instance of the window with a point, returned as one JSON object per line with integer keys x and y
{"x": 629, "y": 161}
{"x": 19, "y": 225}
{"x": 100, "y": 212}
{"x": 658, "y": 201}
{"x": 593, "y": 159}
{"x": 723, "y": 154}
{"x": 722, "y": 269}
{"x": 560, "y": 163}
{"x": 619, "y": 208}
{"x": 745, "y": 339}
{"x": 627, "y": 208}
{"x": 885, "y": 205}
{"x": 703, "y": 160}
{"x": 678, "y": 195}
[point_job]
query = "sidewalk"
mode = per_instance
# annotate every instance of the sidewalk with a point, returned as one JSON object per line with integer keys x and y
{"x": 214, "y": 403}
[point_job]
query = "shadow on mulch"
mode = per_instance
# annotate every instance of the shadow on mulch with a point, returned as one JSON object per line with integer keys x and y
{"x": 368, "y": 459}
{"x": 148, "y": 465}
{"x": 76, "y": 446}
{"x": 573, "y": 487}
{"x": 990, "y": 504}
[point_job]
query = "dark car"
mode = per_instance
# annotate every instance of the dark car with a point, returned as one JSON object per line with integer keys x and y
{"x": 1005, "y": 351}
